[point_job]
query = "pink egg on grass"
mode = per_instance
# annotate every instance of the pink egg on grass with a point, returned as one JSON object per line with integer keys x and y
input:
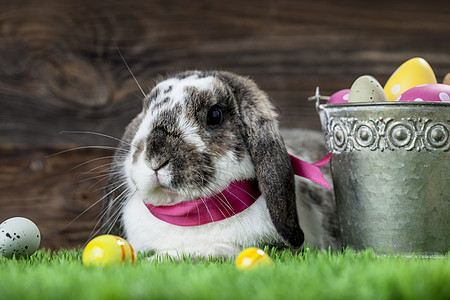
{"x": 427, "y": 92}
{"x": 339, "y": 97}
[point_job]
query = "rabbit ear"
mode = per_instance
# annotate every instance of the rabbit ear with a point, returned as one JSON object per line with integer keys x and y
{"x": 269, "y": 155}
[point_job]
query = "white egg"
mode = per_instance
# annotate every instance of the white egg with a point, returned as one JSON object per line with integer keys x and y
{"x": 19, "y": 236}
{"x": 367, "y": 89}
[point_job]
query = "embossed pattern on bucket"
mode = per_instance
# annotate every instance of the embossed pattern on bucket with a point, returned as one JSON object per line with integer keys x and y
{"x": 391, "y": 174}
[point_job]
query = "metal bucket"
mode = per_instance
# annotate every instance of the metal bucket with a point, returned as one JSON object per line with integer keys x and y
{"x": 391, "y": 172}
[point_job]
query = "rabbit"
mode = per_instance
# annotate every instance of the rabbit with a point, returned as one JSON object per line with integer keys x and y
{"x": 199, "y": 132}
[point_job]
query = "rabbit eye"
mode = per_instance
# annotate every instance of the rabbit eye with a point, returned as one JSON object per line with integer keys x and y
{"x": 214, "y": 116}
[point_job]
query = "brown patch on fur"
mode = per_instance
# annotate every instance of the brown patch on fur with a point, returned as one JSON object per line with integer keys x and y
{"x": 188, "y": 166}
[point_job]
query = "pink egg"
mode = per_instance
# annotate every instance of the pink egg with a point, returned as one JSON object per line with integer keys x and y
{"x": 427, "y": 92}
{"x": 339, "y": 97}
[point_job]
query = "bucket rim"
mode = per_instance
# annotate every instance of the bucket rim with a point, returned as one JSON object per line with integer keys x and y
{"x": 321, "y": 106}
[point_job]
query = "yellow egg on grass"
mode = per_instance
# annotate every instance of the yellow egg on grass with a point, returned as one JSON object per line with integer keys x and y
{"x": 411, "y": 73}
{"x": 107, "y": 250}
{"x": 253, "y": 258}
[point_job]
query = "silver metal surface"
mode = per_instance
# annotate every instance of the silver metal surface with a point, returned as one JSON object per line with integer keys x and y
{"x": 391, "y": 174}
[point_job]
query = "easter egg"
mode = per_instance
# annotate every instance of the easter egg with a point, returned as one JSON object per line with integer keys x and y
{"x": 19, "y": 236}
{"x": 253, "y": 258}
{"x": 411, "y": 73}
{"x": 427, "y": 92}
{"x": 339, "y": 97}
{"x": 446, "y": 79}
{"x": 366, "y": 89}
{"x": 107, "y": 250}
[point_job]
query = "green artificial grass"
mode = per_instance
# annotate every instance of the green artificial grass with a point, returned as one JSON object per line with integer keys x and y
{"x": 310, "y": 274}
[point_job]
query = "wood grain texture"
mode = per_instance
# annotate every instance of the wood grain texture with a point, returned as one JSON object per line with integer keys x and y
{"x": 54, "y": 191}
{"x": 60, "y": 70}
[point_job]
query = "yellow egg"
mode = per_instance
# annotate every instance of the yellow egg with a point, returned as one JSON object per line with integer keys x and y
{"x": 108, "y": 250}
{"x": 411, "y": 73}
{"x": 251, "y": 258}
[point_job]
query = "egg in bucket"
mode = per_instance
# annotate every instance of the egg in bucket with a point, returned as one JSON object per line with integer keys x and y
{"x": 107, "y": 250}
{"x": 415, "y": 71}
{"x": 390, "y": 165}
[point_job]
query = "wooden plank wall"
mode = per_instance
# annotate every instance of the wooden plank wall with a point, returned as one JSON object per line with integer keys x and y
{"x": 60, "y": 70}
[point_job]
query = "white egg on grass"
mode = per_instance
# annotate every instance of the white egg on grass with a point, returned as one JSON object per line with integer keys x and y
{"x": 19, "y": 236}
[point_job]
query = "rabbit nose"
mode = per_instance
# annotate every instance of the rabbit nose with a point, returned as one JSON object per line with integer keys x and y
{"x": 158, "y": 164}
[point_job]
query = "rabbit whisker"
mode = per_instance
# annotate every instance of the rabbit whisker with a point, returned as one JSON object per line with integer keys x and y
{"x": 89, "y": 161}
{"x": 104, "y": 169}
{"x": 102, "y": 176}
{"x": 119, "y": 203}
{"x": 210, "y": 193}
{"x": 90, "y": 206}
{"x": 99, "y": 134}
{"x": 105, "y": 177}
{"x": 87, "y": 147}
{"x": 129, "y": 70}
{"x": 207, "y": 209}
{"x": 121, "y": 200}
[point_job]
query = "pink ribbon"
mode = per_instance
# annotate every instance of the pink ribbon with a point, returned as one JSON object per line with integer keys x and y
{"x": 234, "y": 199}
{"x": 310, "y": 171}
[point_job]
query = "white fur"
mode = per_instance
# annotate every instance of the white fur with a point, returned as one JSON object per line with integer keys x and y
{"x": 144, "y": 129}
{"x": 224, "y": 238}
{"x": 229, "y": 170}
{"x": 190, "y": 133}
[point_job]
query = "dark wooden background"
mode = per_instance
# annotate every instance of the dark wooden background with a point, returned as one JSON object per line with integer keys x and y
{"x": 60, "y": 70}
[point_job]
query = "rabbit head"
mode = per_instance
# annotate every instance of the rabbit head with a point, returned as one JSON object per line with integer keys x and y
{"x": 197, "y": 133}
